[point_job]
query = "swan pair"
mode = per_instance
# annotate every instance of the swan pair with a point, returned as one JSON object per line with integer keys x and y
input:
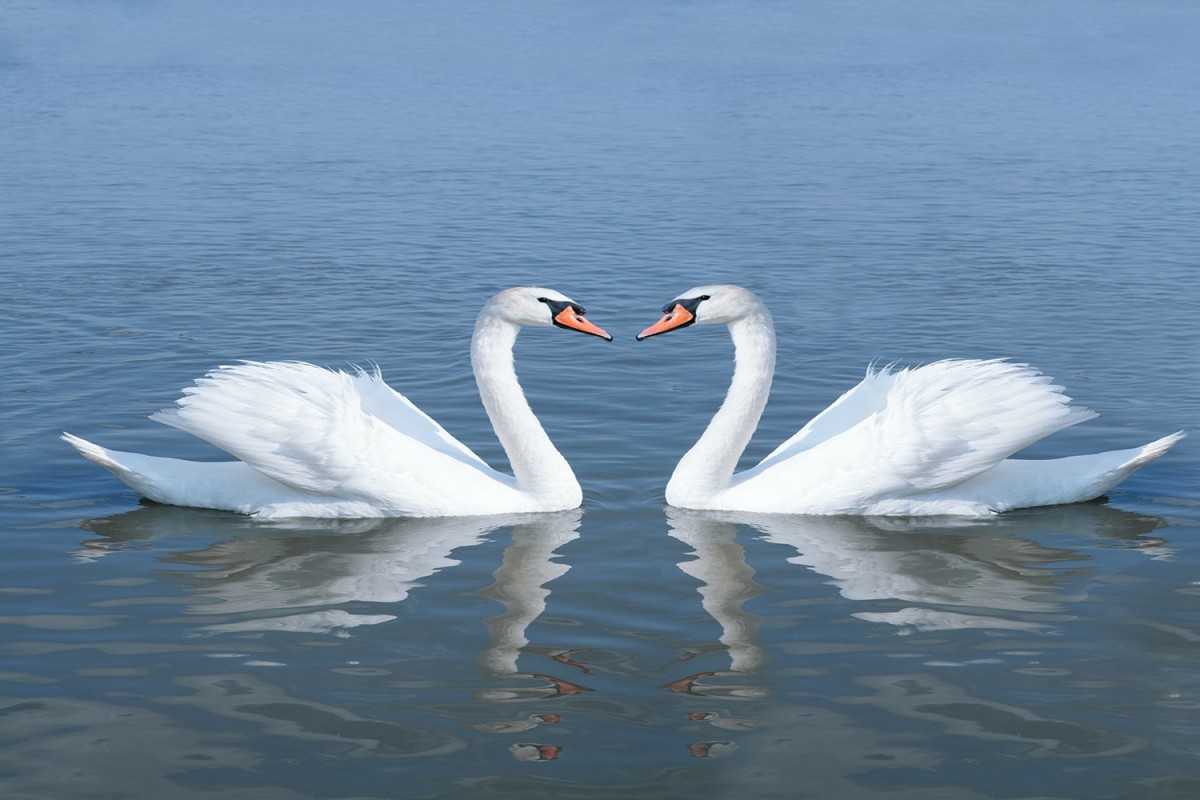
{"x": 313, "y": 442}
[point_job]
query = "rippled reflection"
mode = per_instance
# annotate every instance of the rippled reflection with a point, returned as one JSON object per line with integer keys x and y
{"x": 946, "y": 574}
{"x": 727, "y": 582}
{"x": 930, "y": 576}
{"x": 521, "y": 586}
{"x": 261, "y": 575}
{"x": 313, "y": 576}
{"x": 316, "y": 634}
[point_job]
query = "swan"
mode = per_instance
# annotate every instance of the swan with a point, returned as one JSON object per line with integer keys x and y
{"x": 932, "y": 440}
{"x": 315, "y": 442}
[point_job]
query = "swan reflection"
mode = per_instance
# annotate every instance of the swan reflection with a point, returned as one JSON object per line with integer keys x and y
{"x": 948, "y": 574}
{"x": 312, "y": 577}
{"x": 918, "y": 575}
{"x": 299, "y": 575}
{"x": 727, "y": 582}
{"x": 520, "y": 584}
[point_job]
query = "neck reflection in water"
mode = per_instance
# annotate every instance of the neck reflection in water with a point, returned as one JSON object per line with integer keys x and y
{"x": 916, "y": 574}
{"x": 258, "y": 584}
{"x": 307, "y": 576}
{"x": 259, "y": 577}
{"x": 938, "y": 573}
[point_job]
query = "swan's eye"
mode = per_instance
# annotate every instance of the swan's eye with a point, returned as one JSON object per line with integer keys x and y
{"x": 705, "y": 297}
{"x": 543, "y": 299}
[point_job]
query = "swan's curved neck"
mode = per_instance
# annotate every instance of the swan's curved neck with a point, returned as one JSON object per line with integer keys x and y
{"x": 708, "y": 467}
{"x": 538, "y": 467}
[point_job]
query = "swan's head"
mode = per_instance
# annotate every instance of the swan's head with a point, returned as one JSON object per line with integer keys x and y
{"x": 705, "y": 305}
{"x": 535, "y": 307}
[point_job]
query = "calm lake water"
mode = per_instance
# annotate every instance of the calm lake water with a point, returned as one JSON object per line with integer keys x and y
{"x": 187, "y": 184}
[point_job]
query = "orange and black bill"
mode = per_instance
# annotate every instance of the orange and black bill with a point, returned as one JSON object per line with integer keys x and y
{"x": 677, "y": 317}
{"x": 570, "y": 315}
{"x": 676, "y": 314}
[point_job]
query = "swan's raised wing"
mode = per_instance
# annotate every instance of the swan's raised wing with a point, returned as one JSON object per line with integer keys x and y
{"x": 398, "y": 411}
{"x": 324, "y": 431}
{"x": 916, "y": 430}
{"x": 868, "y": 397}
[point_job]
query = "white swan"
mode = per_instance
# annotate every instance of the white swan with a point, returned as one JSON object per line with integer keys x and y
{"x": 934, "y": 440}
{"x": 313, "y": 442}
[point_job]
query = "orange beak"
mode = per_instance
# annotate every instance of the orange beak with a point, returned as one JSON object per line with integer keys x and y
{"x": 549, "y": 752}
{"x": 677, "y": 317}
{"x": 570, "y": 318}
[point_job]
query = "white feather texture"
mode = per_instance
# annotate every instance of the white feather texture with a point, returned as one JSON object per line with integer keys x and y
{"x": 315, "y": 442}
{"x": 932, "y": 440}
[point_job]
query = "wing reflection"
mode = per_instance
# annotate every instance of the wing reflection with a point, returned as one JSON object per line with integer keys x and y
{"x": 262, "y": 574}
{"x": 1004, "y": 573}
{"x": 949, "y": 574}
{"x": 312, "y": 576}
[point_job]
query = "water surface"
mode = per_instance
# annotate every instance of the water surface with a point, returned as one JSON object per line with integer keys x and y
{"x": 188, "y": 185}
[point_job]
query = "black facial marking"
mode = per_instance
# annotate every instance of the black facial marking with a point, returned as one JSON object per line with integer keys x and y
{"x": 689, "y": 304}
{"x": 559, "y": 306}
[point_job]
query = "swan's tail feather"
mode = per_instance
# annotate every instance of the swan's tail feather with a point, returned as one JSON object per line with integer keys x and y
{"x": 226, "y": 485}
{"x": 1025, "y": 483}
{"x": 98, "y": 455}
{"x": 144, "y": 474}
{"x": 1141, "y": 456}
{"x": 1156, "y": 449}
{"x": 1121, "y": 464}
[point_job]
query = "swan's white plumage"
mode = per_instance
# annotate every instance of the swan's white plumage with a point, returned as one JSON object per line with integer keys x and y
{"x": 316, "y": 442}
{"x": 331, "y": 433}
{"x": 941, "y": 422}
{"x": 929, "y": 440}
{"x": 311, "y": 442}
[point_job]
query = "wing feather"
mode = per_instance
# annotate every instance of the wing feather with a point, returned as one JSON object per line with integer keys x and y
{"x": 868, "y": 397}
{"x": 326, "y": 431}
{"x": 916, "y": 430}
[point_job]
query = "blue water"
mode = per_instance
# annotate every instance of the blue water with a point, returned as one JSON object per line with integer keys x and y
{"x": 184, "y": 185}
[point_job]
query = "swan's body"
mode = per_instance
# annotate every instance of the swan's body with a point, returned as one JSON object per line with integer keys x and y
{"x": 933, "y": 440}
{"x": 313, "y": 442}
